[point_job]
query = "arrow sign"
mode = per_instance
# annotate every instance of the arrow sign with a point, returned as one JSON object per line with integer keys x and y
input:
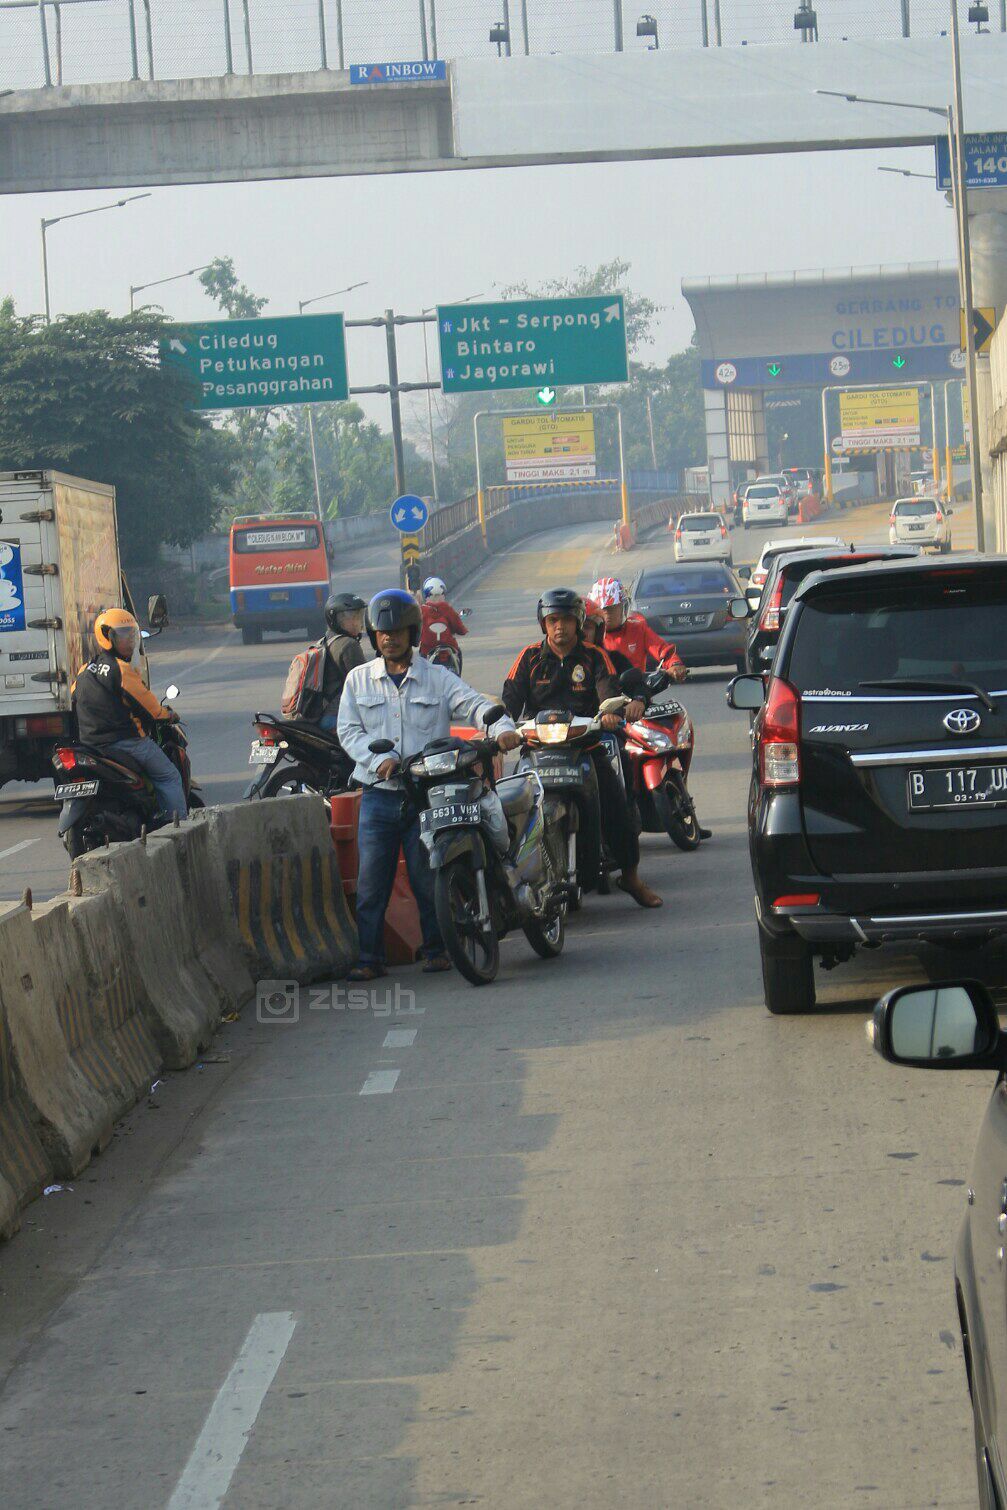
{"x": 612, "y": 312}
{"x": 774, "y": 369}
{"x": 546, "y": 396}
{"x": 409, "y": 514}
{"x": 176, "y": 345}
{"x": 898, "y": 362}
{"x": 984, "y": 323}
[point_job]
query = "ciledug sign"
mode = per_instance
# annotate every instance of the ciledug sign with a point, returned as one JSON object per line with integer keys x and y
{"x": 252, "y": 364}
{"x": 532, "y": 343}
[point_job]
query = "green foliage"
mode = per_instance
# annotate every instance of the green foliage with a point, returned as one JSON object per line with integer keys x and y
{"x": 585, "y": 283}
{"x": 88, "y": 395}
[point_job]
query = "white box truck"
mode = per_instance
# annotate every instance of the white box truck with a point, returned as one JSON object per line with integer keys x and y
{"x": 59, "y": 567}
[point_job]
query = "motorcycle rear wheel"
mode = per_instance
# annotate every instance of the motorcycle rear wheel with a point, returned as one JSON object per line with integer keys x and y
{"x": 547, "y": 939}
{"x": 288, "y": 780}
{"x": 680, "y": 816}
{"x": 474, "y": 950}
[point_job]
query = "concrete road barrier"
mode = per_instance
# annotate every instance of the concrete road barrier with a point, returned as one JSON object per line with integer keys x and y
{"x": 70, "y": 1117}
{"x": 25, "y": 1168}
{"x": 285, "y": 887}
{"x": 211, "y": 922}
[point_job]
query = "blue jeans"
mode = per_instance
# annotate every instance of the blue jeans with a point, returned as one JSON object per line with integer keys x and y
{"x": 388, "y": 822}
{"x": 164, "y": 777}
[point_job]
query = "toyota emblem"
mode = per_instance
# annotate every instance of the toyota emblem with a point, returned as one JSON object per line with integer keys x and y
{"x": 685, "y": 605}
{"x": 962, "y": 721}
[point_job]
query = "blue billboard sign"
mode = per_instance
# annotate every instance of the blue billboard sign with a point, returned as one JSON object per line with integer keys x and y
{"x": 398, "y": 73}
{"x": 985, "y": 161}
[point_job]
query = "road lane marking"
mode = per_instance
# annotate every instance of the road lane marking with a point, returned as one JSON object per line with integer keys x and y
{"x": 380, "y": 1082}
{"x": 400, "y": 1038}
{"x": 208, "y": 1473}
{"x": 16, "y": 848}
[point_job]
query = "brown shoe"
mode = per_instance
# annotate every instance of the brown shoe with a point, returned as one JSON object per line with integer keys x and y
{"x": 640, "y": 892}
{"x": 366, "y": 972}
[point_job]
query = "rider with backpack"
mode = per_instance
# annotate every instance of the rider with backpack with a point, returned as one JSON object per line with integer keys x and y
{"x": 317, "y": 675}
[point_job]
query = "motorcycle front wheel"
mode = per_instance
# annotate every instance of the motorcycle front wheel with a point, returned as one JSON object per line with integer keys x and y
{"x": 680, "y": 815}
{"x": 474, "y": 949}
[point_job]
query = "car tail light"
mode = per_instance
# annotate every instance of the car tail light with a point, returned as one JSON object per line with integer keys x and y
{"x": 892, "y": 521}
{"x": 723, "y": 532}
{"x": 66, "y": 758}
{"x": 771, "y": 613}
{"x": 779, "y": 749}
{"x": 678, "y": 535}
{"x": 44, "y": 723}
{"x": 939, "y": 517}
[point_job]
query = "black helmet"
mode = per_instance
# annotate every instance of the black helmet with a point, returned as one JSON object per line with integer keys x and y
{"x": 342, "y": 602}
{"x": 394, "y": 609}
{"x": 560, "y": 600}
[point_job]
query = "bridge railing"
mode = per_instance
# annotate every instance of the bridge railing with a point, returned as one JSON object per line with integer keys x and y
{"x": 95, "y": 41}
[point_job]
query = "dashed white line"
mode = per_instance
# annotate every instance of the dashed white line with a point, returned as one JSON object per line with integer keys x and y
{"x": 16, "y": 848}
{"x": 400, "y": 1038}
{"x": 208, "y": 1473}
{"x": 380, "y": 1082}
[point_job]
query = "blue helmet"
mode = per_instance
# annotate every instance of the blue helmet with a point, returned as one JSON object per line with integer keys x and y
{"x": 394, "y": 609}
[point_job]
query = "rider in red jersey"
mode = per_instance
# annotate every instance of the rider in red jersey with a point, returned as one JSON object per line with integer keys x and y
{"x": 630, "y": 634}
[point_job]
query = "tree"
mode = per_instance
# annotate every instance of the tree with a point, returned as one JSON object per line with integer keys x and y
{"x": 607, "y": 278}
{"x": 355, "y": 465}
{"x": 87, "y": 394}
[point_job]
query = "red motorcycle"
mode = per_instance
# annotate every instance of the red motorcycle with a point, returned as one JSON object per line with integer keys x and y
{"x": 658, "y": 749}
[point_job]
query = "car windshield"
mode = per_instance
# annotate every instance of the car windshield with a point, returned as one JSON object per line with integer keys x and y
{"x": 946, "y": 626}
{"x": 915, "y": 508}
{"x": 699, "y": 522}
{"x": 680, "y": 583}
{"x": 764, "y": 492}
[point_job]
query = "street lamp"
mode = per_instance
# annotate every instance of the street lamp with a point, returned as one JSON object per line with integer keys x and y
{"x": 138, "y": 288}
{"x": 302, "y": 305}
{"x": 500, "y": 34}
{"x": 908, "y": 173}
{"x": 430, "y": 406}
{"x": 647, "y": 27}
{"x": 953, "y": 119}
{"x": 806, "y": 21}
{"x": 55, "y": 220}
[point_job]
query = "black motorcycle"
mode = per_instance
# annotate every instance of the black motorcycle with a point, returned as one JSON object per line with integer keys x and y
{"x": 107, "y": 798}
{"x": 488, "y": 877}
{"x": 296, "y": 756}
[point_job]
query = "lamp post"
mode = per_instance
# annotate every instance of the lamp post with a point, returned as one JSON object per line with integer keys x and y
{"x": 302, "y": 305}
{"x": 647, "y": 27}
{"x": 952, "y": 117}
{"x": 76, "y": 215}
{"x": 430, "y": 406}
{"x": 138, "y": 288}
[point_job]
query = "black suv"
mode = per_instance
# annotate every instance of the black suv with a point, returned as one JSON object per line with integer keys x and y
{"x": 878, "y": 804}
{"x": 786, "y": 573}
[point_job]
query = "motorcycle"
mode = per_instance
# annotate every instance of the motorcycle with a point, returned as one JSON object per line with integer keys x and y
{"x": 296, "y": 757}
{"x": 107, "y": 798}
{"x": 659, "y": 748}
{"x": 556, "y": 750}
{"x": 447, "y": 655}
{"x": 489, "y": 876}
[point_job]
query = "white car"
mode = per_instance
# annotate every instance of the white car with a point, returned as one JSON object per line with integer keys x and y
{"x": 785, "y": 483}
{"x": 702, "y": 537}
{"x": 765, "y": 503}
{"x": 774, "y": 548}
{"x": 920, "y": 521}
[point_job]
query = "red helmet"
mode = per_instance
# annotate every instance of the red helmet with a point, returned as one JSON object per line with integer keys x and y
{"x": 608, "y": 592}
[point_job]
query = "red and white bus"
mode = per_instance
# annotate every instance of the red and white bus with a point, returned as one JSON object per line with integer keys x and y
{"x": 279, "y": 574}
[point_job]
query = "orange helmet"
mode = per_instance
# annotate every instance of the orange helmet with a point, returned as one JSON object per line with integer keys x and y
{"x": 112, "y": 622}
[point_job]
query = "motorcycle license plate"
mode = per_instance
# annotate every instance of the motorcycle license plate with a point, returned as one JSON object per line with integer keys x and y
{"x": 561, "y": 775}
{"x": 261, "y": 754}
{"x": 67, "y": 790}
{"x": 457, "y": 813}
{"x": 958, "y": 786}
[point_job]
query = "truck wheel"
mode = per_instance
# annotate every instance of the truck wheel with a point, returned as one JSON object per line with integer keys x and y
{"x": 251, "y": 636}
{"x": 788, "y": 975}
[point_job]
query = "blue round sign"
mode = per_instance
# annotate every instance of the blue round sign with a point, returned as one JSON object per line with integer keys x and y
{"x": 409, "y": 514}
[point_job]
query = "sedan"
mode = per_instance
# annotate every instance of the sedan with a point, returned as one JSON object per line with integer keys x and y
{"x": 955, "y": 1026}
{"x": 919, "y": 521}
{"x": 702, "y": 537}
{"x": 701, "y": 608}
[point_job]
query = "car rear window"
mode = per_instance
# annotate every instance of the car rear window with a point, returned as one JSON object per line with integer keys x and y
{"x": 700, "y": 522}
{"x": 764, "y": 492}
{"x": 914, "y": 508}
{"x": 941, "y": 626}
{"x": 672, "y": 584}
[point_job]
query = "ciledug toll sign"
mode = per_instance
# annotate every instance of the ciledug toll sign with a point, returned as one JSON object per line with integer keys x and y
{"x": 252, "y": 364}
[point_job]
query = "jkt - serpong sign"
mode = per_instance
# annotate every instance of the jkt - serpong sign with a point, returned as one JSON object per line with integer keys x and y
{"x": 549, "y": 447}
{"x": 880, "y": 419}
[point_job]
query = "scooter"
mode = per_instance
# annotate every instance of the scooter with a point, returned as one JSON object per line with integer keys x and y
{"x": 107, "y": 798}
{"x": 659, "y": 748}
{"x": 486, "y": 842}
{"x": 447, "y": 655}
{"x": 556, "y": 749}
{"x": 296, "y": 757}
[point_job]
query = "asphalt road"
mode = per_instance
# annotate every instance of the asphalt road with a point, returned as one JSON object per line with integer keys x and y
{"x": 603, "y": 1233}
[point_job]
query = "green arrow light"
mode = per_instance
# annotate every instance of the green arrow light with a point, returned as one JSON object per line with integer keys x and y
{"x": 546, "y": 396}
{"x": 774, "y": 369}
{"x": 898, "y": 362}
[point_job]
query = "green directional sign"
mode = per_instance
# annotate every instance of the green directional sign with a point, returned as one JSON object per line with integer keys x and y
{"x": 774, "y": 369}
{"x": 898, "y": 362}
{"x": 252, "y": 364}
{"x": 532, "y": 343}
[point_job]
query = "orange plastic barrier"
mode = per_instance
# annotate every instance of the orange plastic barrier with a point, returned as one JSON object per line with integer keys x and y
{"x": 625, "y": 537}
{"x": 402, "y": 919}
{"x": 809, "y": 508}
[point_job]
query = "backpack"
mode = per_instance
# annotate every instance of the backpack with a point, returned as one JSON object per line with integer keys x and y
{"x": 303, "y": 686}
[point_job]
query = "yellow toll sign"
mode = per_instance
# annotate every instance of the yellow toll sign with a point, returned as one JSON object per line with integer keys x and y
{"x": 880, "y": 418}
{"x": 544, "y": 447}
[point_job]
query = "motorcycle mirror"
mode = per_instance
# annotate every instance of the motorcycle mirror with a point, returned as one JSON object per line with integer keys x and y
{"x": 171, "y": 691}
{"x": 381, "y": 747}
{"x": 492, "y": 714}
{"x": 632, "y": 681}
{"x": 145, "y": 634}
{"x": 464, "y": 613}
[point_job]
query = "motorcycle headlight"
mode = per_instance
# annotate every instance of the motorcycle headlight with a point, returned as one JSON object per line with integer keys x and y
{"x": 441, "y": 764}
{"x": 552, "y": 733}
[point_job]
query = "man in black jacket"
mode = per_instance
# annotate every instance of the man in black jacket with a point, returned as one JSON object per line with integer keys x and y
{"x": 344, "y": 616}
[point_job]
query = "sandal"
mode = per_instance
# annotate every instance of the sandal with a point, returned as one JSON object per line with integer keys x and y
{"x": 366, "y": 972}
{"x": 436, "y": 963}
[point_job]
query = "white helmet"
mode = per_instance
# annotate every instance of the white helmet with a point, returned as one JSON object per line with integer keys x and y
{"x": 434, "y": 590}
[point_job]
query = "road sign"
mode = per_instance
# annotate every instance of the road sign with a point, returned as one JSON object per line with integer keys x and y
{"x": 409, "y": 513}
{"x": 410, "y": 549}
{"x": 898, "y": 363}
{"x": 985, "y": 161}
{"x": 254, "y": 364}
{"x": 545, "y": 447}
{"x": 838, "y": 449}
{"x": 532, "y": 343}
{"x": 880, "y": 418}
{"x": 546, "y": 396}
{"x": 397, "y": 73}
{"x": 774, "y": 369}
{"x": 984, "y": 324}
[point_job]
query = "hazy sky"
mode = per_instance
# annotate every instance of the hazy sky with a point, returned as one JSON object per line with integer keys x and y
{"x": 426, "y": 237}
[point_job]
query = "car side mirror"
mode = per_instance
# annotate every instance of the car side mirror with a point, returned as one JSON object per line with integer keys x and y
{"x": 753, "y": 596}
{"x": 948, "y": 1027}
{"x": 743, "y": 573}
{"x": 746, "y": 693}
{"x": 739, "y": 608}
{"x": 157, "y": 612}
